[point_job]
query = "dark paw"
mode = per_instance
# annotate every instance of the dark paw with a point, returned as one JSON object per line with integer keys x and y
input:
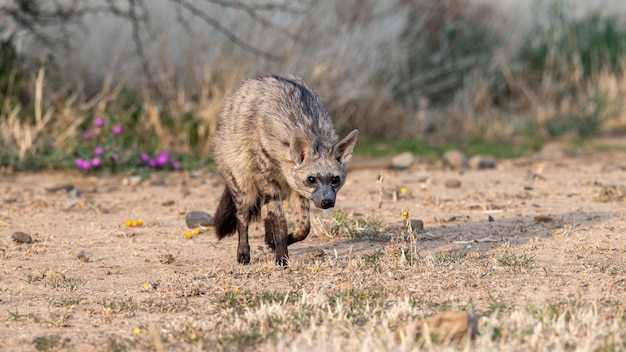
{"x": 243, "y": 258}
{"x": 243, "y": 253}
{"x": 282, "y": 260}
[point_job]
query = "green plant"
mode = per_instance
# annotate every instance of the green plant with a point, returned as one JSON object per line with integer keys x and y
{"x": 47, "y": 343}
{"x": 444, "y": 259}
{"x": 446, "y": 41}
{"x": 509, "y": 259}
{"x": 127, "y": 304}
{"x": 561, "y": 45}
{"x": 70, "y": 301}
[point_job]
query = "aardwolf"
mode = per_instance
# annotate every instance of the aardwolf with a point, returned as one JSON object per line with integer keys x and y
{"x": 275, "y": 140}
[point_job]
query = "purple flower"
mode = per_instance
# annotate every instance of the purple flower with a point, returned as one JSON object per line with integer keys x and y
{"x": 96, "y": 162}
{"x": 82, "y": 164}
{"x": 98, "y": 122}
{"x": 152, "y": 163}
{"x": 175, "y": 164}
{"x": 115, "y": 157}
{"x": 117, "y": 130}
{"x": 144, "y": 157}
{"x": 86, "y": 135}
{"x": 98, "y": 150}
{"x": 162, "y": 160}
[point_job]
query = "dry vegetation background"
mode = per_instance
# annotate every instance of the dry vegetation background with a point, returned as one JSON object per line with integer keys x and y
{"x": 454, "y": 70}
{"x": 546, "y": 274}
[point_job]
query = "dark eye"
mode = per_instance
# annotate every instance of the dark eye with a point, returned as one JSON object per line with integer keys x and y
{"x": 335, "y": 180}
{"x": 310, "y": 180}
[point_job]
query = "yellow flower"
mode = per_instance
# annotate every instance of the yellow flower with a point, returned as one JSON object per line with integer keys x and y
{"x": 146, "y": 286}
{"x": 405, "y": 214}
{"x": 403, "y": 190}
{"x": 129, "y": 223}
{"x": 314, "y": 269}
{"x": 188, "y": 234}
{"x": 193, "y": 337}
{"x": 195, "y": 231}
{"x": 237, "y": 290}
{"x": 139, "y": 222}
{"x": 134, "y": 223}
{"x": 136, "y": 331}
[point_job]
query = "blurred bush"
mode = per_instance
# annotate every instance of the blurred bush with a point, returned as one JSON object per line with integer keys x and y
{"x": 433, "y": 70}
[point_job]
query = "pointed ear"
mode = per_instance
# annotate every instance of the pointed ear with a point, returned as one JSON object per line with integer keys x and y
{"x": 343, "y": 150}
{"x": 298, "y": 147}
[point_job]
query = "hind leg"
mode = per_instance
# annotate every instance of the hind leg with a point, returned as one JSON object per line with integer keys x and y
{"x": 269, "y": 229}
{"x": 246, "y": 209}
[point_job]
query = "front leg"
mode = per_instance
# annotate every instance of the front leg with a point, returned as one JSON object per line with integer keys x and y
{"x": 301, "y": 210}
{"x": 276, "y": 227}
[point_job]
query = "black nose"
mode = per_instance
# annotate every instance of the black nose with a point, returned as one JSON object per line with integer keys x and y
{"x": 327, "y": 203}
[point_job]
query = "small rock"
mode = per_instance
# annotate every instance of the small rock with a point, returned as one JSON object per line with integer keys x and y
{"x": 491, "y": 219}
{"x": 456, "y": 327}
{"x": 64, "y": 187}
{"x": 446, "y": 217}
{"x": 132, "y": 181}
{"x": 452, "y": 183}
{"x": 402, "y": 160}
{"x": 479, "y": 162}
{"x": 168, "y": 203}
{"x": 543, "y": 218}
{"x": 318, "y": 253}
{"x": 21, "y": 237}
{"x": 421, "y": 177}
{"x": 73, "y": 193}
{"x": 532, "y": 176}
{"x": 455, "y": 159}
{"x": 195, "y": 219}
{"x": 417, "y": 225}
{"x": 53, "y": 276}
{"x": 83, "y": 256}
{"x": 167, "y": 258}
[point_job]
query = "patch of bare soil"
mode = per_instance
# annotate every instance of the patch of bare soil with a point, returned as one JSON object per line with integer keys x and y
{"x": 535, "y": 233}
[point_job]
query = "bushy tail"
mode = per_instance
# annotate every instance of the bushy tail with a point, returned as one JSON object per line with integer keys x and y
{"x": 225, "y": 215}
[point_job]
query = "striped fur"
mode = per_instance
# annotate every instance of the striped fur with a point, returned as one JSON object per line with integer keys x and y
{"x": 276, "y": 141}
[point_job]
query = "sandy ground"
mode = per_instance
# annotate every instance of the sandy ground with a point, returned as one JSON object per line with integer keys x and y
{"x": 70, "y": 286}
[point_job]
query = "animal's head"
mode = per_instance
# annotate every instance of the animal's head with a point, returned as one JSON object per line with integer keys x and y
{"x": 319, "y": 174}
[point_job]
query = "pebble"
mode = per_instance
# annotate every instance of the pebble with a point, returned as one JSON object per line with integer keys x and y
{"x": 422, "y": 177}
{"x": 417, "y": 224}
{"x": 195, "y": 174}
{"x": 446, "y": 217}
{"x": 456, "y": 327}
{"x": 452, "y": 183}
{"x": 543, "y": 218}
{"x": 196, "y": 219}
{"x": 21, "y": 237}
{"x": 455, "y": 159}
{"x": 479, "y": 162}
{"x": 132, "y": 181}
{"x": 403, "y": 160}
{"x": 63, "y": 187}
